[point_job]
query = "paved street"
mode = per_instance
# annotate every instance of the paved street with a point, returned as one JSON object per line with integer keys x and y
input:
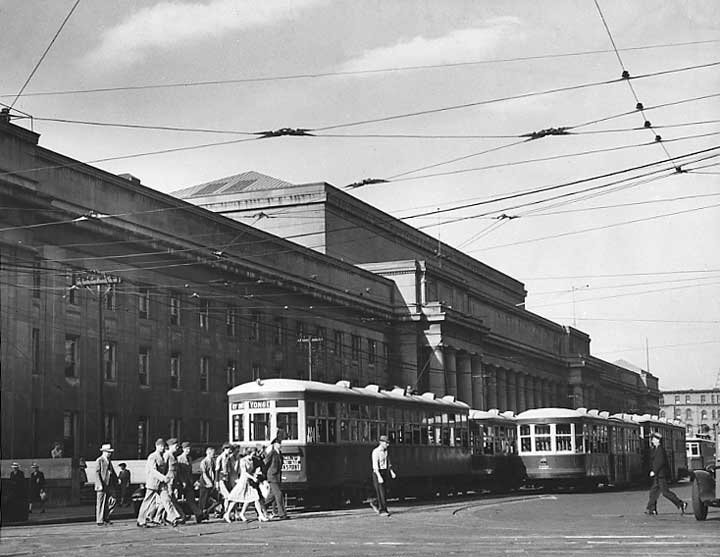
{"x": 608, "y": 523}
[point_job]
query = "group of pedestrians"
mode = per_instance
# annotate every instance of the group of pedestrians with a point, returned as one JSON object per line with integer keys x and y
{"x": 24, "y": 493}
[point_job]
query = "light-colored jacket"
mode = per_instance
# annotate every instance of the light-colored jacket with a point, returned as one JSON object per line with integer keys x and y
{"x": 155, "y": 471}
{"x": 104, "y": 472}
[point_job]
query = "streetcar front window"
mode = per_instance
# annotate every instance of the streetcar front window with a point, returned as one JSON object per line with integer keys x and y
{"x": 563, "y": 438}
{"x": 287, "y": 425}
{"x": 542, "y": 438}
{"x": 525, "y": 439}
{"x": 238, "y": 434}
{"x": 259, "y": 427}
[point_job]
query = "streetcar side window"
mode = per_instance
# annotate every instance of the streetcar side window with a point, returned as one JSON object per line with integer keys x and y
{"x": 332, "y": 423}
{"x": 579, "y": 445}
{"x": 512, "y": 441}
{"x": 488, "y": 437}
{"x": 563, "y": 438}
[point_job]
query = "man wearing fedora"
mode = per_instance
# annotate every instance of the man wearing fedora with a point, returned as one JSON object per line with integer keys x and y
{"x": 105, "y": 480}
{"x": 382, "y": 472}
{"x": 658, "y": 473}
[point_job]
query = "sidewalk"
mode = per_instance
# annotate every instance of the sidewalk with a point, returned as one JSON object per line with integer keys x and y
{"x": 64, "y": 515}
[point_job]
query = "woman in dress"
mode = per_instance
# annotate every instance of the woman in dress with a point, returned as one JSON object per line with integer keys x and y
{"x": 245, "y": 491}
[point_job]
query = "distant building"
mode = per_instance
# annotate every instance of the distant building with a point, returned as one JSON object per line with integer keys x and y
{"x": 698, "y": 409}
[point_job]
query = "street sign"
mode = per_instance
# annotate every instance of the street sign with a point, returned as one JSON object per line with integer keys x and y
{"x": 94, "y": 280}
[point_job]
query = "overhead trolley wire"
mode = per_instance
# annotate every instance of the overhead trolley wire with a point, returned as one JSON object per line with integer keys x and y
{"x": 44, "y": 54}
{"x": 314, "y": 75}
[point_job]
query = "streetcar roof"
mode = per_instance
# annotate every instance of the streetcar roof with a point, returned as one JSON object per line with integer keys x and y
{"x": 492, "y": 414}
{"x": 342, "y": 388}
{"x": 546, "y": 413}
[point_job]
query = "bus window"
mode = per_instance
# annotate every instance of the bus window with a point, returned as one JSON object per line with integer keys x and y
{"x": 287, "y": 425}
{"x": 238, "y": 435}
{"x": 542, "y": 437}
{"x": 259, "y": 427}
{"x": 563, "y": 437}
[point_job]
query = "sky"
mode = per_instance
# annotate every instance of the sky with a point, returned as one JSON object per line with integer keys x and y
{"x": 635, "y": 264}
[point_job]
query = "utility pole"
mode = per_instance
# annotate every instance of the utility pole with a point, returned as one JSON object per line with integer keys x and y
{"x": 103, "y": 283}
{"x": 310, "y": 341}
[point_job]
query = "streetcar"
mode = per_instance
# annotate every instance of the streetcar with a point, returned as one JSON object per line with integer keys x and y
{"x": 328, "y": 432}
{"x": 562, "y": 447}
{"x": 673, "y": 439}
{"x": 699, "y": 451}
{"x": 495, "y": 463}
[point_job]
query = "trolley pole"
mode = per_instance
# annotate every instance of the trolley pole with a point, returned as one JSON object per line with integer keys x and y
{"x": 310, "y": 341}
{"x": 103, "y": 284}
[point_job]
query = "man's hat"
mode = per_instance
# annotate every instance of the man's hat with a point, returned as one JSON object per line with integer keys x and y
{"x": 656, "y": 435}
{"x": 159, "y": 441}
{"x": 383, "y": 438}
{"x": 15, "y": 465}
{"x": 35, "y": 465}
{"x": 185, "y": 444}
{"x": 172, "y": 441}
{"x": 106, "y": 448}
{"x": 276, "y": 440}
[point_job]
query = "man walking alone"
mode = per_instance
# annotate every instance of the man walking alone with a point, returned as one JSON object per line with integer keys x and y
{"x": 382, "y": 472}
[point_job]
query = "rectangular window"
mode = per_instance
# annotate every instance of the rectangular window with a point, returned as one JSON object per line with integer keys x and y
{"x": 204, "y": 374}
{"x": 677, "y": 399}
{"x": 204, "y": 315}
{"x": 110, "y": 429}
{"x": 176, "y": 428}
{"x": 230, "y": 375}
{"x": 71, "y": 355}
{"x": 70, "y": 424}
{"x": 702, "y": 399}
{"x": 563, "y": 437}
{"x": 174, "y": 308}
{"x": 525, "y": 439}
{"x": 205, "y": 431}
{"x": 259, "y": 427}
{"x": 338, "y": 344}
{"x": 372, "y": 350}
{"x": 278, "y": 331}
{"x": 142, "y": 437}
{"x": 287, "y": 425}
{"x": 36, "y": 279}
{"x": 110, "y": 361}
{"x": 144, "y": 303}
{"x": 174, "y": 370}
{"x": 144, "y": 365}
{"x": 111, "y": 298}
{"x": 230, "y": 321}
{"x": 355, "y": 353}
{"x": 687, "y": 399}
{"x": 72, "y": 289}
{"x": 35, "y": 351}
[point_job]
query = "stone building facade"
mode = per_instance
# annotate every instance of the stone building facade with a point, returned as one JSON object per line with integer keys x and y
{"x": 212, "y": 296}
{"x": 698, "y": 409}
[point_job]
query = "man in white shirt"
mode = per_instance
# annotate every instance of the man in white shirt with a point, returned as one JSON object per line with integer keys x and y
{"x": 382, "y": 472}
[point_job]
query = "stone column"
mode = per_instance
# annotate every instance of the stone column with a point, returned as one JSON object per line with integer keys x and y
{"x": 545, "y": 390}
{"x": 478, "y": 384}
{"x": 521, "y": 404}
{"x": 530, "y": 391}
{"x": 464, "y": 379}
{"x": 436, "y": 371}
{"x": 491, "y": 387}
{"x": 510, "y": 380}
{"x": 450, "y": 371}
{"x": 501, "y": 388}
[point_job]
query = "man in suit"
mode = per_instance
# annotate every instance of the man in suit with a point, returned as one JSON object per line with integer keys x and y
{"x": 185, "y": 479}
{"x": 273, "y": 470}
{"x": 659, "y": 472}
{"x": 156, "y": 490}
{"x": 105, "y": 480}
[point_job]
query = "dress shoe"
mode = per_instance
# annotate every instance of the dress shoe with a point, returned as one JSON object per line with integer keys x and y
{"x": 650, "y": 511}
{"x": 683, "y": 507}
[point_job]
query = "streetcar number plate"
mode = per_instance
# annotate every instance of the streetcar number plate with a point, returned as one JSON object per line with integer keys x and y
{"x": 291, "y": 463}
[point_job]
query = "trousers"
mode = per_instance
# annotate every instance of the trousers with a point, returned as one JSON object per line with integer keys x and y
{"x": 660, "y": 486}
{"x": 380, "y": 493}
{"x": 275, "y": 498}
{"x": 104, "y": 505}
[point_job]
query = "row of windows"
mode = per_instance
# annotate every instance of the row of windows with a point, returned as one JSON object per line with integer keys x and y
{"x": 72, "y": 366}
{"x": 704, "y": 414}
{"x": 714, "y": 399}
{"x": 488, "y": 439}
{"x": 568, "y": 438}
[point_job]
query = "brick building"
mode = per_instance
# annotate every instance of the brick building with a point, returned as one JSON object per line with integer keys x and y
{"x": 698, "y": 409}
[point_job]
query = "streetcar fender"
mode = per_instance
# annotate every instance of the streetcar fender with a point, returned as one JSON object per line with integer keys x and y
{"x": 706, "y": 485}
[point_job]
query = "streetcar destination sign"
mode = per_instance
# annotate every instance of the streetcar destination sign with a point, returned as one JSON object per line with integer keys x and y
{"x": 258, "y": 404}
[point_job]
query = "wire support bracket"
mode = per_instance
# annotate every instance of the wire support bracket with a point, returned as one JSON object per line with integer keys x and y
{"x": 562, "y": 130}
{"x": 366, "y": 182}
{"x": 286, "y": 132}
